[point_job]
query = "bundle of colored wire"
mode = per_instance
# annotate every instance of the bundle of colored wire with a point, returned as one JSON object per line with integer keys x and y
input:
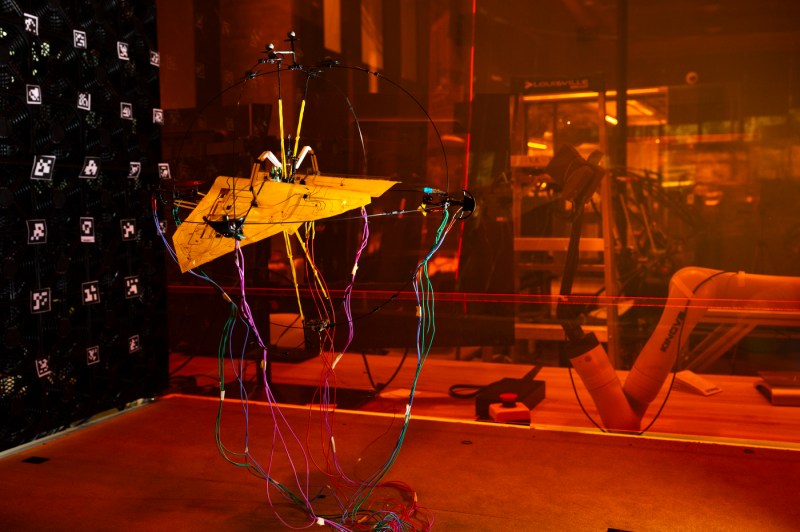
{"x": 245, "y": 458}
{"x": 224, "y": 343}
{"x": 348, "y": 291}
{"x": 334, "y": 468}
{"x": 301, "y": 480}
{"x": 423, "y": 289}
{"x": 355, "y": 497}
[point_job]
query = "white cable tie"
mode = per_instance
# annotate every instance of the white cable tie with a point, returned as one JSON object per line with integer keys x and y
{"x": 333, "y": 445}
{"x": 320, "y": 521}
{"x": 355, "y": 269}
{"x": 336, "y": 360}
{"x": 408, "y": 410}
{"x": 222, "y": 395}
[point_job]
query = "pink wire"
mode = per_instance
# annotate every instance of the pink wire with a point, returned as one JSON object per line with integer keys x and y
{"x": 277, "y": 414}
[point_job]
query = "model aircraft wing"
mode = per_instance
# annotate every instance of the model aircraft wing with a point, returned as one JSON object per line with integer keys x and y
{"x": 277, "y": 207}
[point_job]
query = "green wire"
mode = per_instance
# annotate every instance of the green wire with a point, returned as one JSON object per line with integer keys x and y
{"x": 427, "y": 325}
{"x": 226, "y": 453}
{"x": 425, "y": 340}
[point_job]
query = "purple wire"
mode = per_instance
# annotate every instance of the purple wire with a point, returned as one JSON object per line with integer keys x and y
{"x": 277, "y": 414}
{"x": 348, "y": 292}
{"x": 325, "y": 388}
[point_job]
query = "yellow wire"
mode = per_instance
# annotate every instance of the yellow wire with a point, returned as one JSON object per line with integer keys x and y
{"x": 288, "y": 242}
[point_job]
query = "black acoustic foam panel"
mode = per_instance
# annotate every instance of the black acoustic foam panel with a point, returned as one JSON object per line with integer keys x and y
{"x": 82, "y": 284}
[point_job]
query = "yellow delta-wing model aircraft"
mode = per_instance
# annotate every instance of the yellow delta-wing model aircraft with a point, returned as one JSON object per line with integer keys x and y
{"x": 255, "y": 208}
{"x": 274, "y": 199}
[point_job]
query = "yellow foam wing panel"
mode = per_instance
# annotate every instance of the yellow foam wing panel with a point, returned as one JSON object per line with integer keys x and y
{"x": 277, "y": 207}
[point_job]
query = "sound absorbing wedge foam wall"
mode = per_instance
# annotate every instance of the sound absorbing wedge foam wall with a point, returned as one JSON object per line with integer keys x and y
{"x": 82, "y": 284}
